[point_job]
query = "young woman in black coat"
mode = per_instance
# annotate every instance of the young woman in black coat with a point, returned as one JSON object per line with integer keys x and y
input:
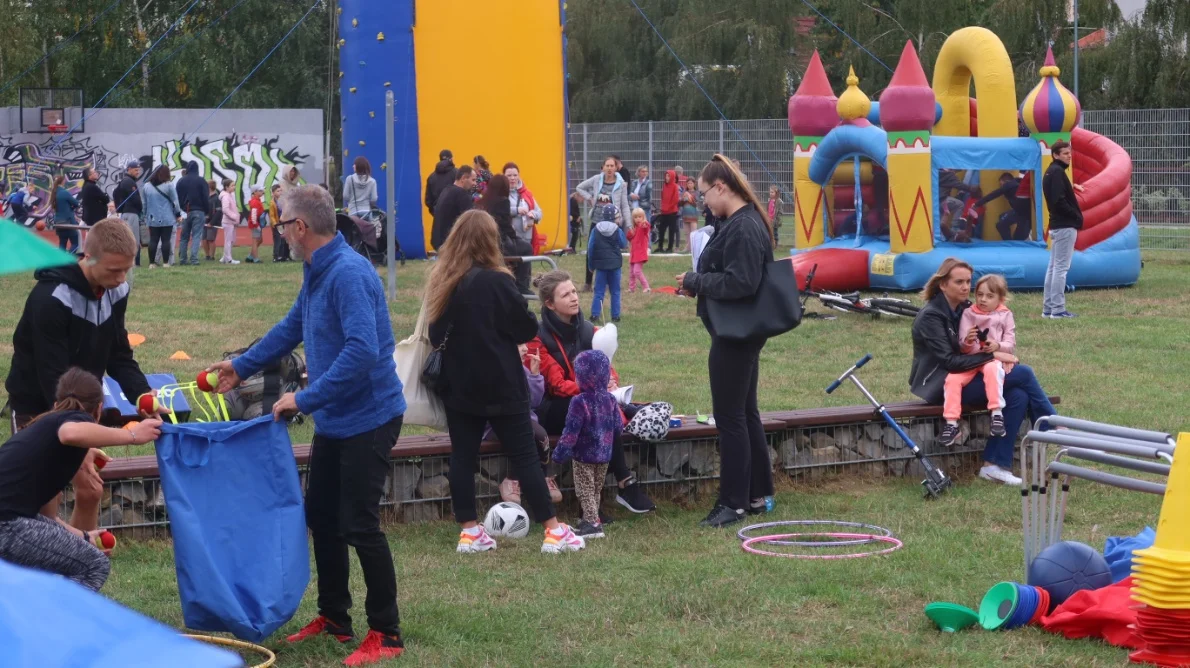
{"x": 730, "y": 268}
{"x": 495, "y": 202}
{"x": 478, "y": 317}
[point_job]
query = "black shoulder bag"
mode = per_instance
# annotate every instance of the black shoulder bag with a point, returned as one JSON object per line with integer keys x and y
{"x": 773, "y": 310}
{"x": 433, "y": 375}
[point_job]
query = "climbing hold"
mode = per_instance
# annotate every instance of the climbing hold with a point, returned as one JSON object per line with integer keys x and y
{"x": 383, "y": 166}
{"x": 388, "y": 84}
{"x": 340, "y": 75}
{"x": 338, "y": 11}
{"x": 344, "y": 153}
{"x": 361, "y": 143}
{"x": 380, "y": 37}
{"x": 352, "y": 89}
{"x": 342, "y": 42}
{"x": 371, "y": 114}
{"x": 354, "y": 23}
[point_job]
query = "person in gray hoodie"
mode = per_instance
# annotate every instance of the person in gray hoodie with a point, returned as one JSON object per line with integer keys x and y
{"x": 359, "y": 189}
{"x": 608, "y": 182}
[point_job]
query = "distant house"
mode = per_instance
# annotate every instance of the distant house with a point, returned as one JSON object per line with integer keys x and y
{"x": 1094, "y": 40}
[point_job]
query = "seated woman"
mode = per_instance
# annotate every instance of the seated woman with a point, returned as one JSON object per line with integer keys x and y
{"x": 937, "y": 351}
{"x": 562, "y": 335}
{"x": 38, "y": 462}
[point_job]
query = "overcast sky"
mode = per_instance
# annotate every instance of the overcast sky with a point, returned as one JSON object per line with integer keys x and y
{"x": 1130, "y": 7}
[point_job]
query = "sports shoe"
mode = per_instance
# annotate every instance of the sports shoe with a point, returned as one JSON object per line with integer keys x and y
{"x": 1062, "y": 315}
{"x": 376, "y": 647}
{"x": 757, "y": 507}
{"x": 510, "y": 491}
{"x": 1045, "y": 314}
{"x": 552, "y": 484}
{"x": 949, "y": 435}
{"x": 632, "y": 497}
{"x": 721, "y": 516}
{"x": 586, "y": 530}
{"x": 340, "y": 632}
{"x": 480, "y": 542}
{"x": 996, "y": 474}
{"x": 998, "y": 425}
{"x": 567, "y": 542}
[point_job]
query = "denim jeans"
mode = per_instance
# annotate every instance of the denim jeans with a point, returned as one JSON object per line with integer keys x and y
{"x": 1054, "y": 300}
{"x": 192, "y": 234}
{"x": 606, "y": 279}
{"x": 133, "y": 221}
{"x": 1022, "y": 394}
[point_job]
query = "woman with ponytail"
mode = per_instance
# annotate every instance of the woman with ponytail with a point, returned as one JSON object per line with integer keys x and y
{"x": 38, "y": 462}
{"x": 730, "y": 268}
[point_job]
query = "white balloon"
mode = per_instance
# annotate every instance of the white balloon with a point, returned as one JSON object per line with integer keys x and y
{"x": 606, "y": 340}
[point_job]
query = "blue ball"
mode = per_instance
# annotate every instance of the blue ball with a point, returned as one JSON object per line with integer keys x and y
{"x": 1067, "y": 567}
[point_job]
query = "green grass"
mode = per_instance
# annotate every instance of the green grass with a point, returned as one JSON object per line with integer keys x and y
{"x": 658, "y": 591}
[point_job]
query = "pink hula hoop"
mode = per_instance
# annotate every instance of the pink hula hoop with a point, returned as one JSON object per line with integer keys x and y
{"x": 895, "y": 545}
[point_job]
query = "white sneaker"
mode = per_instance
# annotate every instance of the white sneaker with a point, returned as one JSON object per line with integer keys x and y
{"x": 480, "y": 542}
{"x": 567, "y": 542}
{"x": 233, "y": 262}
{"x": 997, "y": 474}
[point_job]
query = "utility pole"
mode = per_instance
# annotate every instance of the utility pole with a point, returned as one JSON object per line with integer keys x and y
{"x": 1076, "y": 48}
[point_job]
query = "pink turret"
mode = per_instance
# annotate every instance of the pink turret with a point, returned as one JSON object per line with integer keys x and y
{"x": 908, "y": 103}
{"x": 812, "y": 108}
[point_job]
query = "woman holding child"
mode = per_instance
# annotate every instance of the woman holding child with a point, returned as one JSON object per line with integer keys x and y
{"x": 938, "y": 352}
{"x": 478, "y": 317}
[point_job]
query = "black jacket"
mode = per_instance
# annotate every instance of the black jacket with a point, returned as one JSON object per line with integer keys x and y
{"x": 216, "y": 217}
{"x": 93, "y": 201}
{"x": 936, "y": 349}
{"x": 127, "y": 197}
{"x": 452, "y": 203}
{"x": 193, "y": 193}
{"x": 444, "y": 175}
{"x": 64, "y": 324}
{"x": 1021, "y": 205}
{"x": 1059, "y": 197}
{"x": 732, "y": 263}
{"x": 487, "y": 319}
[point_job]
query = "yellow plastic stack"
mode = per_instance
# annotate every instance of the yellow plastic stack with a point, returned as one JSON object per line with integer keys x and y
{"x": 1161, "y": 574}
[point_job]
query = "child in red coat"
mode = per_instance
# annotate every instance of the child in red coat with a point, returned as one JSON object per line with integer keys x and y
{"x": 639, "y": 255}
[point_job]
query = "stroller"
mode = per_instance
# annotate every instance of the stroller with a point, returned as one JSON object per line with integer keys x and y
{"x": 368, "y": 235}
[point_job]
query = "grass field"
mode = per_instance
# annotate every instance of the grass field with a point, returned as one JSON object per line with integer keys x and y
{"x": 659, "y": 591}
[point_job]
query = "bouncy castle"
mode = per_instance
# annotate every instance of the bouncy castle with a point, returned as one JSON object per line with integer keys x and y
{"x": 866, "y": 174}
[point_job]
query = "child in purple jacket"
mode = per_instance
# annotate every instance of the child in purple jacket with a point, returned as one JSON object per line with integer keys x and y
{"x": 593, "y": 422}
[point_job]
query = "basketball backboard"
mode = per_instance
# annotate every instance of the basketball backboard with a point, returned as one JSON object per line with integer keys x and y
{"x": 42, "y": 108}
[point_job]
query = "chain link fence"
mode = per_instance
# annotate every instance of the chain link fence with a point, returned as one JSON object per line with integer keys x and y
{"x": 1157, "y": 139}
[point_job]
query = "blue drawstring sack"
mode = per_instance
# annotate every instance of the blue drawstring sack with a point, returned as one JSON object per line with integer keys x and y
{"x": 239, "y": 528}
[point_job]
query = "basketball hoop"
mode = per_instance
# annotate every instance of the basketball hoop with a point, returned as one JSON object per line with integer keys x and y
{"x": 56, "y": 130}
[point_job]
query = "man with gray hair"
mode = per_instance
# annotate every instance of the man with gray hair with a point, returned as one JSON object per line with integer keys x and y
{"x": 356, "y": 399}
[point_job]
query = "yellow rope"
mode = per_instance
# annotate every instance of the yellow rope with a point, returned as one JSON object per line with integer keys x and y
{"x": 271, "y": 658}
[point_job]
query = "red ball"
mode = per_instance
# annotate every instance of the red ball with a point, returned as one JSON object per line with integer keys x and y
{"x": 208, "y": 381}
{"x": 105, "y": 540}
{"x": 147, "y": 403}
{"x": 40, "y": 225}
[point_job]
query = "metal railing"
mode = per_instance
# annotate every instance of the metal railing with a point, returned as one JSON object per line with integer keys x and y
{"x": 1157, "y": 139}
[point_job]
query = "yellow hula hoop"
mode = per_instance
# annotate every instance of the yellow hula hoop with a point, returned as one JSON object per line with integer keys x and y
{"x": 270, "y": 657}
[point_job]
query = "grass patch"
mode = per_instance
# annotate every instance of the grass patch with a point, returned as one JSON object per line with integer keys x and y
{"x": 658, "y": 591}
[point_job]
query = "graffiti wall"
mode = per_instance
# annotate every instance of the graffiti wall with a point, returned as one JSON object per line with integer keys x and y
{"x": 247, "y": 146}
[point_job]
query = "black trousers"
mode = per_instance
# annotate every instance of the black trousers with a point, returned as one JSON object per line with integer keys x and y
{"x": 667, "y": 225}
{"x": 553, "y": 418}
{"x": 160, "y": 235}
{"x": 516, "y": 435}
{"x": 343, "y": 509}
{"x": 746, "y": 472}
{"x": 1009, "y": 218}
{"x": 280, "y": 247}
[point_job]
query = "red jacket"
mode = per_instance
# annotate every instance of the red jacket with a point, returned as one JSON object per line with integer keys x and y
{"x": 669, "y": 194}
{"x": 639, "y": 236}
{"x": 559, "y": 379}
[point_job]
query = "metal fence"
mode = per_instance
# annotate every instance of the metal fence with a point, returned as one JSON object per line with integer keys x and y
{"x": 1157, "y": 139}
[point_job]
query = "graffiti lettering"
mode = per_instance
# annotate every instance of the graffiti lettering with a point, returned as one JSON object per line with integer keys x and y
{"x": 246, "y": 162}
{"x": 37, "y": 166}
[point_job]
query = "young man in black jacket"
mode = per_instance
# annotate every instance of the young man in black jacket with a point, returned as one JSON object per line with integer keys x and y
{"x": 126, "y": 197}
{"x": 454, "y": 200}
{"x": 194, "y": 198}
{"x": 1066, "y": 219}
{"x": 443, "y": 176}
{"x": 1019, "y": 213}
{"x": 74, "y": 317}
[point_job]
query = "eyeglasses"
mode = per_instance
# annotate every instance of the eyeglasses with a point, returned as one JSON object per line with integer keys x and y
{"x": 703, "y": 193}
{"x": 282, "y": 223}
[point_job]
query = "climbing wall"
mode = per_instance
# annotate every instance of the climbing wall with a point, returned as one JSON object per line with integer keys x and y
{"x": 376, "y": 56}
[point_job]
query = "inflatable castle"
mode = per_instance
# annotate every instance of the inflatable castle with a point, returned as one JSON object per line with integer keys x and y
{"x": 866, "y": 174}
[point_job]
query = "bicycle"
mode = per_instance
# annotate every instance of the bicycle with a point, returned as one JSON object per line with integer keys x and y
{"x": 851, "y": 302}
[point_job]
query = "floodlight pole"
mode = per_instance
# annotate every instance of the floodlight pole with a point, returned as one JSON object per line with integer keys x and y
{"x": 1076, "y": 49}
{"x": 390, "y": 185}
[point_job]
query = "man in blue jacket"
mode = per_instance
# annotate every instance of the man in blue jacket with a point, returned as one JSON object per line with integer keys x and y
{"x": 194, "y": 198}
{"x": 357, "y": 403}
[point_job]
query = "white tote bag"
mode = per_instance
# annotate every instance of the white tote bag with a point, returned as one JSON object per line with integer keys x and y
{"x": 422, "y": 406}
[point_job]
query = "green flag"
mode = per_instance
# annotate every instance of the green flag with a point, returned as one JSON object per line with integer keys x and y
{"x": 22, "y": 250}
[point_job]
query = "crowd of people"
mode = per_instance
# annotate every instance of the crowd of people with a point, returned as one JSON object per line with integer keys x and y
{"x": 542, "y": 374}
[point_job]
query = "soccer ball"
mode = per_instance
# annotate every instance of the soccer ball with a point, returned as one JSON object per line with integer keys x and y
{"x": 507, "y": 519}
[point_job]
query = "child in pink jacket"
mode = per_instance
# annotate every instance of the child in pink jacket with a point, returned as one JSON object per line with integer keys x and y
{"x": 231, "y": 218}
{"x": 639, "y": 255}
{"x": 988, "y": 321}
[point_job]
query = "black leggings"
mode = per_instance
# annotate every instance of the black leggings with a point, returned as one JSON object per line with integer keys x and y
{"x": 745, "y": 470}
{"x": 667, "y": 223}
{"x": 516, "y": 434}
{"x": 553, "y": 418}
{"x": 159, "y": 235}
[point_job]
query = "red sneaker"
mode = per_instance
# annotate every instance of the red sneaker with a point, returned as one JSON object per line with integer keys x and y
{"x": 323, "y": 625}
{"x": 376, "y": 647}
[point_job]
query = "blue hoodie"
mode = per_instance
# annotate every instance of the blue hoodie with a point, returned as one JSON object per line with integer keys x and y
{"x": 342, "y": 317}
{"x": 193, "y": 192}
